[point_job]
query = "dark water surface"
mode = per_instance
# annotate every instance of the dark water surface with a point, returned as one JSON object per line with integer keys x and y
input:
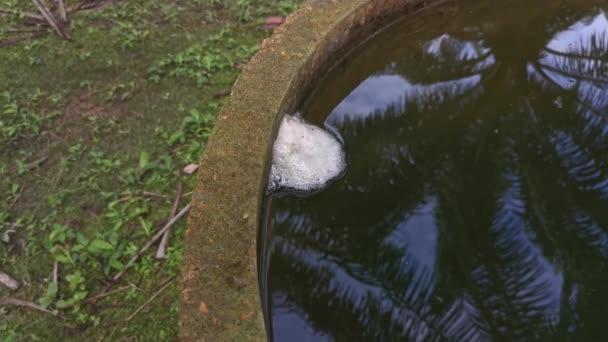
{"x": 475, "y": 202}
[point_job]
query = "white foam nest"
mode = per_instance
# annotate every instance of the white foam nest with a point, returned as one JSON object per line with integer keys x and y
{"x": 305, "y": 157}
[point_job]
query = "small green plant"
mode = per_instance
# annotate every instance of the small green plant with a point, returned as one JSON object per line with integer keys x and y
{"x": 196, "y": 126}
{"x": 200, "y": 62}
{"x": 169, "y": 12}
{"x": 121, "y": 92}
{"x": 244, "y": 9}
{"x": 196, "y": 63}
{"x": 18, "y": 121}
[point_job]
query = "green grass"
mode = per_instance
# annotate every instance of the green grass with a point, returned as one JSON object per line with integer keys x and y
{"x": 94, "y": 134}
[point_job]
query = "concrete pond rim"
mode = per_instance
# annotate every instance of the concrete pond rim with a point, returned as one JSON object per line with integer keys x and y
{"x": 219, "y": 297}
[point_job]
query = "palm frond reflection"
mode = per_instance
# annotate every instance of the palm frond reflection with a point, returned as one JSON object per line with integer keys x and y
{"x": 473, "y": 206}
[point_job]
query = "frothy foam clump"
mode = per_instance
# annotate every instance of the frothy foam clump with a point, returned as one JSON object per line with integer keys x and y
{"x": 305, "y": 157}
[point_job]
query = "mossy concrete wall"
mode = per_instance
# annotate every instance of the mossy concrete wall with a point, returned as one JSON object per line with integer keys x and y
{"x": 220, "y": 299}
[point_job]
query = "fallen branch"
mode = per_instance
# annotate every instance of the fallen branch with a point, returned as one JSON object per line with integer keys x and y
{"x": 122, "y": 199}
{"x": 162, "y": 246}
{"x": 47, "y": 18}
{"x": 62, "y": 14}
{"x": 56, "y": 274}
{"x": 50, "y": 19}
{"x": 86, "y": 5}
{"x": 117, "y": 324}
{"x": 152, "y": 194}
{"x": 23, "y": 30}
{"x": 154, "y": 239}
{"x": 164, "y": 286}
{"x": 25, "y": 15}
{"x": 105, "y": 294}
{"x": 5, "y": 301}
{"x": 9, "y": 281}
{"x": 36, "y": 163}
{"x": 138, "y": 195}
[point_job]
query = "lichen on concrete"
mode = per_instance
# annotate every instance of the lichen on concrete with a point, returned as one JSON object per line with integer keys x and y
{"x": 220, "y": 300}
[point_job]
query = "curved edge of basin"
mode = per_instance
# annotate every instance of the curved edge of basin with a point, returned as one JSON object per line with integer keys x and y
{"x": 219, "y": 297}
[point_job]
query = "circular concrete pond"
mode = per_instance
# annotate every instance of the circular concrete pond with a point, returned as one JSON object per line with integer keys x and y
{"x": 220, "y": 298}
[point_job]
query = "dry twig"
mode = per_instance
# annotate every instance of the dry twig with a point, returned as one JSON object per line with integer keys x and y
{"x": 36, "y": 163}
{"x": 62, "y": 14}
{"x": 152, "y": 194}
{"x": 162, "y": 246}
{"x": 22, "y": 30}
{"x": 154, "y": 239}
{"x": 5, "y": 301}
{"x": 105, "y": 294}
{"x": 164, "y": 286}
{"x": 56, "y": 273}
